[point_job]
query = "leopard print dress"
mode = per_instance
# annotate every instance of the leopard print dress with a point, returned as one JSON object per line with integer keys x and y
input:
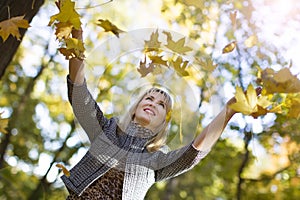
{"x": 107, "y": 187}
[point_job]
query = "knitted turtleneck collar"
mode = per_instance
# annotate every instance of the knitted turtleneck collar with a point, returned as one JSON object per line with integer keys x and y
{"x": 136, "y": 130}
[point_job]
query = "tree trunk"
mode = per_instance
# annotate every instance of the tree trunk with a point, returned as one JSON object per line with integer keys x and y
{"x": 9, "y": 9}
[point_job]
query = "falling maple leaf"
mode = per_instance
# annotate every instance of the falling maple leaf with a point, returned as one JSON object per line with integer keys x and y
{"x": 207, "y": 64}
{"x": 11, "y": 27}
{"x": 177, "y": 46}
{"x": 282, "y": 81}
{"x": 3, "y": 124}
{"x": 158, "y": 60}
{"x": 145, "y": 69}
{"x": 67, "y": 14}
{"x": 229, "y": 47}
{"x": 64, "y": 169}
{"x": 109, "y": 27}
{"x": 249, "y": 103}
{"x": 180, "y": 67}
{"x": 152, "y": 44}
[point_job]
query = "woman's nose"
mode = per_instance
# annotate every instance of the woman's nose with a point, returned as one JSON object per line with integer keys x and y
{"x": 151, "y": 104}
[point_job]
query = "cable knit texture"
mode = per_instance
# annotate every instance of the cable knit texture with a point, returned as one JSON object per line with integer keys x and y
{"x": 122, "y": 150}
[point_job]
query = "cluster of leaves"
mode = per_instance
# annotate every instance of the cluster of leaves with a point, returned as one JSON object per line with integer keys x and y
{"x": 11, "y": 27}
{"x": 282, "y": 83}
{"x": 66, "y": 20}
{"x": 153, "y": 51}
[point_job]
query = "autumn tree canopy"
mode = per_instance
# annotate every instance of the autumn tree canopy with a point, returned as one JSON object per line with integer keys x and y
{"x": 203, "y": 51}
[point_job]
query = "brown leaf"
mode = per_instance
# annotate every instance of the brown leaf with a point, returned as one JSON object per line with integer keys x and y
{"x": 11, "y": 27}
{"x": 63, "y": 30}
{"x": 144, "y": 70}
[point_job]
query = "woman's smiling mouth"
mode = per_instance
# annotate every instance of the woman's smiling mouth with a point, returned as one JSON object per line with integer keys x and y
{"x": 148, "y": 110}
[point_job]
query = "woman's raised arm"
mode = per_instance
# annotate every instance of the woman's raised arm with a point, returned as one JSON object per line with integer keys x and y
{"x": 213, "y": 131}
{"x": 76, "y": 67}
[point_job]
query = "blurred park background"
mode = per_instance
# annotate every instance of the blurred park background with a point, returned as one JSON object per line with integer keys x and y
{"x": 254, "y": 158}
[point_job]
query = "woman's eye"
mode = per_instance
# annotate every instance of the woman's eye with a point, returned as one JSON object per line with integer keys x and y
{"x": 162, "y": 104}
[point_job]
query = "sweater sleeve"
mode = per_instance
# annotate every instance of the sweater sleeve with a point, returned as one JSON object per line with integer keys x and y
{"x": 86, "y": 109}
{"x": 179, "y": 161}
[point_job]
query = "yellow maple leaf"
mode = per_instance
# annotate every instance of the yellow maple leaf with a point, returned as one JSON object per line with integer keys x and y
{"x": 152, "y": 44}
{"x": 3, "y": 124}
{"x": 229, "y": 47}
{"x": 245, "y": 103}
{"x": 74, "y": 49}
{"x": 11, "y": 27}
{"x": 67, "y": 14}
{"x": 249, "y": 103}
{"x": 64, "y": 169}
{"x": 176, "y": 46}
{"x": 206, "y": 63}
{"x": 109, "y": 27}
{"x": 180, "y": 66}
{"x": 158, "y": 60}
{"x": 282, "y": 81}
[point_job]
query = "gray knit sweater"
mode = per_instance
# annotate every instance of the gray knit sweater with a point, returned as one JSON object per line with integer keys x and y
{"x": 124, "y": 150}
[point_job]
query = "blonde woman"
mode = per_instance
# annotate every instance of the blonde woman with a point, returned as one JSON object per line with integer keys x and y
{"x": 128, "y": 155}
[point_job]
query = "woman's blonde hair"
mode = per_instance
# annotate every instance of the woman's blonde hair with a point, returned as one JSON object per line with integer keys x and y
{"x": 161, "y": 132}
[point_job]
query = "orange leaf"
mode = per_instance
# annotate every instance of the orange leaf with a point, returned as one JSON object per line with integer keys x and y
{"x": 11, "y": 27}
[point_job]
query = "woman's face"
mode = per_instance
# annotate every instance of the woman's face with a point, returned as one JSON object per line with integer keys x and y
{"x": 151, "y": 111}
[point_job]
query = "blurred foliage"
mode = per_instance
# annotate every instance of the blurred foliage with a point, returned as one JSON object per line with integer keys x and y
{"x": 244, "y": 164}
